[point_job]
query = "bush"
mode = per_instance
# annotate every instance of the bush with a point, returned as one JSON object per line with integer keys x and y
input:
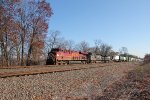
{"x": 147, "y": 58}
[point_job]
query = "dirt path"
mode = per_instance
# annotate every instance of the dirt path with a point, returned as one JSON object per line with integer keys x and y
{"x": 57, "y": 86}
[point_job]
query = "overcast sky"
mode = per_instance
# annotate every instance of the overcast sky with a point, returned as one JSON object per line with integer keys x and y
{"x": 120, "y": 23}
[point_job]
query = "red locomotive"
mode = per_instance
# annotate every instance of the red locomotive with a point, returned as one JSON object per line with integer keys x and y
{"x": 60, "y": 56}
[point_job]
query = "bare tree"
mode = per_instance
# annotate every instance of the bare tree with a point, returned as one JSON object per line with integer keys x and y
{"x": 70, "y": 44}
{"x": 54, "y": 39}
{"x": 83, "y": 46}
{"x": 97, "y": 46}
{"x": 105, "y": 50}
{"x": 124, "y": 50}
{"x": 62, "y": 43}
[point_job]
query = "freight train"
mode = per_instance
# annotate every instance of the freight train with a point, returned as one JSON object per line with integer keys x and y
{"x": 59, "y": 56}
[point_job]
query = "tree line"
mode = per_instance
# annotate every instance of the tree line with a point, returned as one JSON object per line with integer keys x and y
{"x": 23, "y": 28}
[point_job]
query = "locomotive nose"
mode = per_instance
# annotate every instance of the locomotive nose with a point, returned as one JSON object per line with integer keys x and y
{"x": 51, "y": 59}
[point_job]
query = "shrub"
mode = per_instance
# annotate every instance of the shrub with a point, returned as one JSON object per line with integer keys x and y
{"x": 147, "y": 58}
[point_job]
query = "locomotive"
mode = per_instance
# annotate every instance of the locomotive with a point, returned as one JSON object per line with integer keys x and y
{"x": 59, "y": 56}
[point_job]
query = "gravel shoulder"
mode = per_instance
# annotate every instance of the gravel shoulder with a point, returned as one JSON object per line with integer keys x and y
{"x": 57, "y": 86}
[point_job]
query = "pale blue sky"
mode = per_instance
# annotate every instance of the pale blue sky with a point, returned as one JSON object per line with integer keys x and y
{"x": 120, "y": 23}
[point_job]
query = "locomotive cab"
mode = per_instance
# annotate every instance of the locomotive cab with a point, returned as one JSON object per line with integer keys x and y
{"x": 51, "y": 59}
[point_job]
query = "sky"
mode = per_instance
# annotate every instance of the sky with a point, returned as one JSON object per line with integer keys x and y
{"x": 119, "y": 23}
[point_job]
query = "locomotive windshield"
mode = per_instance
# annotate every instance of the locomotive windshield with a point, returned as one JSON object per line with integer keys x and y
{"x": 55, "y": 49}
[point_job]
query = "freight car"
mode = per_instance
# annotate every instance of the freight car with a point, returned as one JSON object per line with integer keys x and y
{"x": 122, "y": 58}
{"x": 119, "y": 58}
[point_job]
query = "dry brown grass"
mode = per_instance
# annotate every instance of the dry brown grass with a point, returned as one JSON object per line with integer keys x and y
{"x": 135, "y": 86}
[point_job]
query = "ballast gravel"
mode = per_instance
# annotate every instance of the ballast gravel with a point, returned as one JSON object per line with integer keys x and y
{"x": 87, "y": 83}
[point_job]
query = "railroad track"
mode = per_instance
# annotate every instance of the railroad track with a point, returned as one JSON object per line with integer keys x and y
{"x": 51, "y": 69}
